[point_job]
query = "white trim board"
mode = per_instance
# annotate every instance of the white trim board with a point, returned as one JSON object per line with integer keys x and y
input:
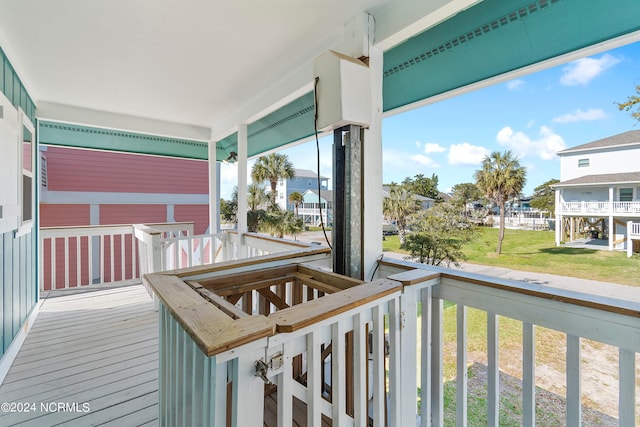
{"x": 116, "y": 198}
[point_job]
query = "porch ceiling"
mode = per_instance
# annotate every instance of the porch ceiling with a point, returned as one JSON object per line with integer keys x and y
{"x": 193, "y": 62}
{"x": 195, "y": 70}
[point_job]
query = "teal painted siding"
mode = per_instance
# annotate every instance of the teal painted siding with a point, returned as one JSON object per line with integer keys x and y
{"x": 13, "y": 88}
{"x": 18, "y": 285}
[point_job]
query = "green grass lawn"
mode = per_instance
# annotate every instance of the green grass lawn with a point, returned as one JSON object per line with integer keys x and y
{"x": 536, "y": 251}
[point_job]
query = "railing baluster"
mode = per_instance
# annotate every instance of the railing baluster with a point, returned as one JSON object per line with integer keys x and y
{"x": 338, "y": 374}
{"x": 123, "y": 257}
{"x": 574, "y": 405}
{"x": 190, "y": 244}
{"x": 90, "y": 258}
{"x": 395, "y": 390}
{"x": 66, "y": 262}
{"x": 627, "y": 391}
{"x": 425, "y": 362}
{"x": 360, "y": 373}
{"x": 493, "y": 371}
{"x": 285, "y": 388}
{"x": 461, "y": 365}
{"x": 378, "y": 363}
{"x": 134, "y": 273}
{"x": 78, "y": 263}
{"x": 102, "y": 251}
{"x": 314, "y": 382}
{"x": 437, "y": 387}
{"x": 528, "y": 375}
{"x": 112, "y": 260}
{"x": 408, "y": 335}
{"x": 54, "y": 284}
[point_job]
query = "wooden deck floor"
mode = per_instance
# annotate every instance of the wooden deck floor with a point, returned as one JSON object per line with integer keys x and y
{"x": 95, "y": 351}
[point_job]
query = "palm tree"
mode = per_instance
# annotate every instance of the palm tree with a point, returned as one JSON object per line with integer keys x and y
{"x": 398, "y": 206}
{"x": 256, "y": 199}
{"x": 272, "y": 168}
{"x": 500, "y": 179}
{"x": 296, "y": 198}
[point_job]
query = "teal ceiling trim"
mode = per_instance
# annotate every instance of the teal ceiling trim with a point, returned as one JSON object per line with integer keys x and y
{"x": 288, "y": 124}
{"x": 12, "y": 87}
{"x": 497, "y": 36}
{"x": 225, "y": 146}
{"x": 68, "y": 135}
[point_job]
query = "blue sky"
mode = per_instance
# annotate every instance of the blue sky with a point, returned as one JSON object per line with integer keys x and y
{"x": 534, "y": 116}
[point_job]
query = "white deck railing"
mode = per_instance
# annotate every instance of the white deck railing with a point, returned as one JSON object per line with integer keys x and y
{"x": 600, "y": 207}
{"x": 80, "y": 256}
{"x": 371, "y": 387}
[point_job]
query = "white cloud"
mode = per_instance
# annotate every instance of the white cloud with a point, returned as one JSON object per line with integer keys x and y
{"x": 466, "y": 154}
{"x": 545, "y": 147}
{"x": 515, "y": 84}
{"x": 433, "y": 147}
{"x": 579, "y": 116}
{"x": 584, "y": 70}
{"x": 398, "y": 165}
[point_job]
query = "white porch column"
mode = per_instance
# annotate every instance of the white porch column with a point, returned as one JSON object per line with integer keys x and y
{"x": 242, "y": 188}
{"x": 214, "y": 190}
{"x": 372, "y": 169}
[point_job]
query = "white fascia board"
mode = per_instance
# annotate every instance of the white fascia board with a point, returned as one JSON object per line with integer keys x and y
{"x": 402, "y": 20}
{"x": 113, "y": 198}
{"x": 103, "y": 119}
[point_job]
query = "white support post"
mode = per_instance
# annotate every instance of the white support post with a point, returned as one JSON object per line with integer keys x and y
{"x": 574, "y": 405}
{"x": 528, "y": 375}
{"x": 372, "y": 162}
{"x": 248, "y": 391}
{"x": 612, "y": 232}
{"x": 425, "y": 362}
{"x": 242, "y": 189}
{"x": 493, "y": 372}
{"x": 461, "y": 366}
{"x": 558, "y": 230}
{"x": 408, "y": 336}
{"x": 214, "y": 189}
{"x": 627, "y": 391}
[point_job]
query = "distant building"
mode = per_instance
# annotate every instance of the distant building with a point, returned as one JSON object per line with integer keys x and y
{"x": 304, "y": 180}
{"x": 314, "y": 207}
{"x": 599, "y": 190}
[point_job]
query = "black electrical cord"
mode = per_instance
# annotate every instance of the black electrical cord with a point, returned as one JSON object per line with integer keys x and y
{"x": 376, "y": 269}
{"x": 315, "y": 128}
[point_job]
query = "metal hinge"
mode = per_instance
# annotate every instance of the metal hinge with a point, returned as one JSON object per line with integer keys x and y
{"x": 263, "y": 367}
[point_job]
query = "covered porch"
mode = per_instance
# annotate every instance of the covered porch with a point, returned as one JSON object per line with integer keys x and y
{"x": 355, "y": 338}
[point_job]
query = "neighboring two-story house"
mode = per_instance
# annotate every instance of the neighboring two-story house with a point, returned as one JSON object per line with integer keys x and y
{"x": 598, "y": 195}
{"x": 304, "y": 180}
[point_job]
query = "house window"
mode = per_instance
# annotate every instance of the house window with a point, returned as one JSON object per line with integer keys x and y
{"x": 26, "y": 189}
{"x": 626, "y": 194}
{"x": 583, "y": 163}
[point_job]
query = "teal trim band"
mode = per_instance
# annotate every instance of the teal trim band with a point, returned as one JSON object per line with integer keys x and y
{"x": 68, "y": 135}
{"x": 13, "y": 89}
{"x": 287, "y": 124}
{"x": 495, "y": 37}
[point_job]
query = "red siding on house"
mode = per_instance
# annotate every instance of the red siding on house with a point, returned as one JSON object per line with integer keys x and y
{"x": 64, "y": 215}
{"x": 89, "y": 170}
{"x": 132, "y": 214}
{"x": 196, "y": 213}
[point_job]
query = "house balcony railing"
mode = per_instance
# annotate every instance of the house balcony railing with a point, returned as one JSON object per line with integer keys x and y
{"x": 287, "y": 339}
{"x": 592, "y": 208}
{"x": 79, "y": 256}
{"x": 635, "y": 230}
